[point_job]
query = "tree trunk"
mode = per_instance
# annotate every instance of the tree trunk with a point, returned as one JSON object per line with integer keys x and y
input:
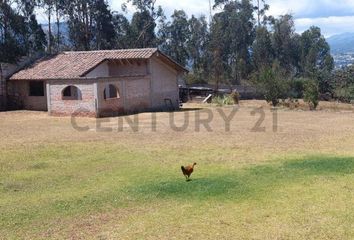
{"x": 49, "y": 31}
{"x": 259, "y": 14}
{"x": 58, "y": 28}
{"x": 5, "y": 24}
{"x": 87, "y": 37}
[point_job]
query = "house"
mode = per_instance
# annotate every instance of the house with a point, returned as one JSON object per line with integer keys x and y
{"x": 98, "y": 83}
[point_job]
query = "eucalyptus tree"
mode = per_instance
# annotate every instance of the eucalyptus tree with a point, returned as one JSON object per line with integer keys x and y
{"x": 20, "y": 33}
{"x": 104, "y": 28}
{"x": 261, "y": 7}
{"x": 217, "y": 47}
{"x": 177, "y": 34}
{"x": 315, "y": 52}
{"x": 143, "y": 24}
{"x": 197, "y": 46}
{"x": 263, "y": 54}
{"x": 285, "y": 43}
{"x": 90, "y": 24}
{"x": 262, "y": 50}
{"x": 123, "y": 31}
{"x": 48, "y": 7}
{"x": 237, "y": 29}
{"x": 316, "y": 61}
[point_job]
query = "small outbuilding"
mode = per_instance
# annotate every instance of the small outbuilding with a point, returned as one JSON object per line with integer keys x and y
{"x": 98, "y": 83}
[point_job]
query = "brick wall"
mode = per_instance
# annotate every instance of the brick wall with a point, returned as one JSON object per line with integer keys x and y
{"x": 134, "y": 96}
{"x": 138, "y": 95}
{"x": 114, "y": 106}
{"x": 84, "y": 107}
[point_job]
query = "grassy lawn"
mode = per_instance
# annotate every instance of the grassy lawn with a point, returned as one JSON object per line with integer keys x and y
{"x": 296, "y": 183}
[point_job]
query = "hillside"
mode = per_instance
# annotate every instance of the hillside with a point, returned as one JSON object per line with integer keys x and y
{"x": 342, "y": 43}
{"x": 63, "y": 28}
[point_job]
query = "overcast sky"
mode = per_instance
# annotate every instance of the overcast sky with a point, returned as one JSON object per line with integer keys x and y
{"x": 332, "y": 16}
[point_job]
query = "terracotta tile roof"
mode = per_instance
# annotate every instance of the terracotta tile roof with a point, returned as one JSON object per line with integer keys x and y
{"x": 71, "y": 65}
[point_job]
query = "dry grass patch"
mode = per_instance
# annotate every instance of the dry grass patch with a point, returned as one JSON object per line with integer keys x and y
{"x": 295, "y": 183}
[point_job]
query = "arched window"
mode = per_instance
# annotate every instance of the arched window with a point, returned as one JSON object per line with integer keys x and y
{"x": 110, "y": 92}
{"x": 71, "y": 93}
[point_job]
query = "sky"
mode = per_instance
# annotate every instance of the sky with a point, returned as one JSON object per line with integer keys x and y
{"x": 332, "y": 16}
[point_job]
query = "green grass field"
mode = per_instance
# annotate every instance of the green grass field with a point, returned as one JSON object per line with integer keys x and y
{"x": 297, "y": 183}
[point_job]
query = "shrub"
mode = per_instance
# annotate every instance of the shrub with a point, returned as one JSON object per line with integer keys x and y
{"x": 273, "y": 83}
{"x": 297, "y": 86}
{"x": 345, "y": 94}
{"x": 290, "y": 103}
{"x": 311, "y": 94}
{"x": 235, "y": 95}
{"x": 343, "y": 84}
{"x": 226, "y": 100}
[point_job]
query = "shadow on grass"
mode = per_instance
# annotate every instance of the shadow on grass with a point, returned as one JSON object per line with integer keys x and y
{"x": 254, "y": 183}
{"x": 246, "y": 183}
{"x": 189, "y": 109}
{"x": 131, "y": 114}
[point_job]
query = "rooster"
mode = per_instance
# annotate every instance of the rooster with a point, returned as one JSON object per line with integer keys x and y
{"x": 188, "y": 170}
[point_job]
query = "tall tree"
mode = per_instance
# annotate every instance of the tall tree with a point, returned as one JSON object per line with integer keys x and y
{"x": 261, "y": 8}
{"x": 20, "y": 34}
{"x": 315, "y": 52}
{"x": 284, "y": 42}
{"x": 237, "y": 21}
{"x": 80, "y": 24}
{"x": 197, "y": 47}
{"x": 143, "y": 23}
{"x": 177, "y": 36}
{"x": 48, "y": 6}
{"x": 316, "y": 60}
{"x": 123, "y": 31}
{"x": 90, "y": 25}
{"x": 217, "y": 46}
{"x": 34, "y": 37}
{"x": 263, "y": 54}
{"x": 37, "y": 38}
{"x": 11, "y": 33}
{"x": 59, "y": 8}
{"x": 143, "y": 30}
{"x": 163, "y": 32}
{"x": 104, "y": 26}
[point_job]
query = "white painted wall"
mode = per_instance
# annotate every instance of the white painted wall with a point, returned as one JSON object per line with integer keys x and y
{"x": 101, "y": 70}
{"x": 132, "y": 69}
{"x": 164, "y": 84}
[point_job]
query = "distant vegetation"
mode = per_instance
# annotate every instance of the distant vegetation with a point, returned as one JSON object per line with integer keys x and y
{"x": 236, "y": 47}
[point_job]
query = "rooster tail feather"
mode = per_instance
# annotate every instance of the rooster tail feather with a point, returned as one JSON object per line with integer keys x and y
{"x": 183, "y": 169}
